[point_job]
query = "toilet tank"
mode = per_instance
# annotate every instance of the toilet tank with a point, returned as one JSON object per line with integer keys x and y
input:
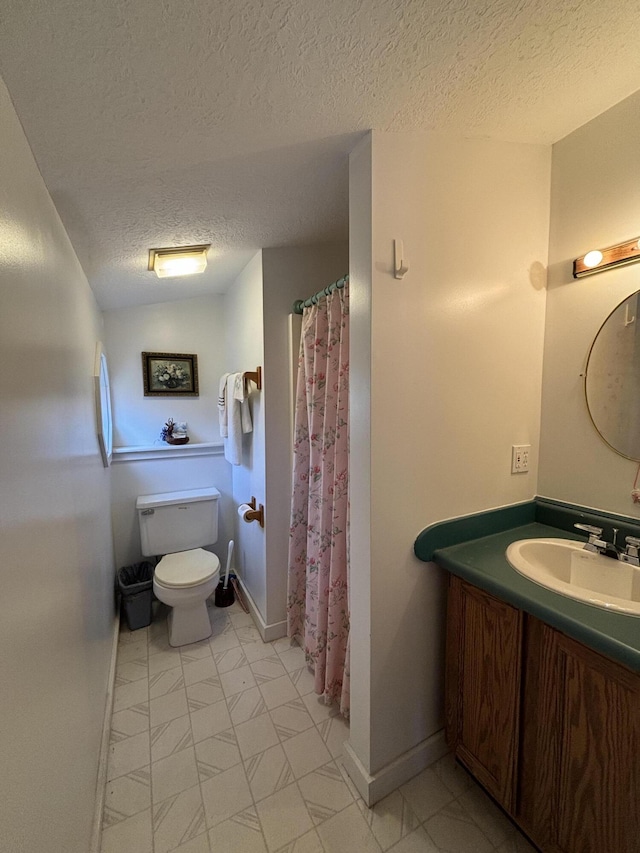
{"x": 177, "y": 521}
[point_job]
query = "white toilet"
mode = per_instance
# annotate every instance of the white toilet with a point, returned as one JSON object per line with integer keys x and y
{"x": 178, "y": 525}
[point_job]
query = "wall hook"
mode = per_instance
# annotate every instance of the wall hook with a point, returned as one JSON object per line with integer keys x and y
{"x": 400, "y": 265}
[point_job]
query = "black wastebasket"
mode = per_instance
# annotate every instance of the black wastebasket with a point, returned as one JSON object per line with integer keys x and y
{"x": 136, "y": 586}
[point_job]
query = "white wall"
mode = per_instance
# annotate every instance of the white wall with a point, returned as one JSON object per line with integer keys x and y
{"x": 594, "y": 204}
{"x": 452, "y": 381}
{"x": 190, "y": 326}
{"x": 245, "y": 351}
{"x": 288, "y": 275}
{"x": 258, "y": 307}
{"x": 55, "y": 543}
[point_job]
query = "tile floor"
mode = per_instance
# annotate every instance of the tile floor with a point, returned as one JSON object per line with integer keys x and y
{"x": 223, "y": 747}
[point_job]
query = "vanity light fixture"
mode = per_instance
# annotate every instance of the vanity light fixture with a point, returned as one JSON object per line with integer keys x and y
{"x": 605, "y": 259}
{"x": 185, "y": 260}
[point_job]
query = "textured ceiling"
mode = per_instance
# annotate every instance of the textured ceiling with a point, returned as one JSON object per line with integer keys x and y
{"x": 169, "y": 122}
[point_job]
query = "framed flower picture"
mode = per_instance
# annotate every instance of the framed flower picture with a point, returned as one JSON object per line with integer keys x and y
{"x": 170, "y": 374}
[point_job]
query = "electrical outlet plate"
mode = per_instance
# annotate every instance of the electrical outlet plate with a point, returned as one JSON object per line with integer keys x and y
{"x": 520, "y": 458}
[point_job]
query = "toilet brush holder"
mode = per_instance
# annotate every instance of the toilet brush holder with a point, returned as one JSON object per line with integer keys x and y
{"x": 224, "y": 597}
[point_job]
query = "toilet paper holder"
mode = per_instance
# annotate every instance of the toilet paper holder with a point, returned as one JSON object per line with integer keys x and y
{"x": 256, "y": 513}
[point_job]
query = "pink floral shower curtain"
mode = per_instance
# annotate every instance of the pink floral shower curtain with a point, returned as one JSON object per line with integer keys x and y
{"x": 318, "y": 601}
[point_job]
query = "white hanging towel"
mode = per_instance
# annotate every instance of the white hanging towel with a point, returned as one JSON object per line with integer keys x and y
{"x": 238, "y": 417}
{"x": 223, "y": 414}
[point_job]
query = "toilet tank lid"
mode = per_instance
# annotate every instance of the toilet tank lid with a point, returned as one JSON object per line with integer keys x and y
{"x": 184, "y": 497}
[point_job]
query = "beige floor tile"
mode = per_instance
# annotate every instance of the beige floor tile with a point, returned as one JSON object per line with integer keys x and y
{"x": 493, "y": 822}
{"x": 204, "y": 693}
{"x": 318, "y": 709}
{"x": 246, "y": 706}
{"x": 268, "y": 772}
{"x": 195, "y": 651}
{"x": 293, "y": 658}
{"x": 199, "y": 670}
{"x": 209, "y": 721}
{"x": 284, "y": 817}
{"x": 196, "y": 845}
{"x": 304, "y": 680}
{"x": 128, "y": 755}
{"x": 131, "y": 671}
{"x": 230, "y": 659}
{"x": 130, "y": 722}
{"x": 172, "y": 736}
{"x": 248, "y": 634}
{"x": 334, "y": 732}
{"x": 225, "y": 639}
{"x": 426, "y": 794}
{"x": 347, "y": 831}
{"x": 306, "y": 752}
{"x": 178, "y": 820}
{"x": 168, "y": 707}
{"x": 390, "y": 820}
{"x": 278, "y": 691}
{"x": 291, "y": 719}
{"x": 225, "y": 795}
{"x": 134, "y": 833}
{"x": 256, "y": 651}
{"x": 216, "y": 754}
{"x": 307, "y": 843}
{"x": 164, "y": 660}
{"x": 126, "y": 796}
{"x": 416, "y": 842}
{"x": 256, "y": 735}
{"x": 130, "y": 694}
{"x": 237, "y": 680}
{"x": 453, "y": 775}
{"x": 240, "y": 834}
{"x": 453, "y": 831}
{"x": 268, "y": 668}
{"x": 324, "y": 792}
{"x": 173, "y": 774}
{"x": 168, "y": 681}
{"x": 134, "y": 651}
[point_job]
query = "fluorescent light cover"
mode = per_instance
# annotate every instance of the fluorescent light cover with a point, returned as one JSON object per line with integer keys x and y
{"x": 186, "y": 260}
{"x": 598, "y": 260}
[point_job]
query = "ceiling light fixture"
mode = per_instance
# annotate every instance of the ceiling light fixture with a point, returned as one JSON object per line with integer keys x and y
{"x": 185, "y": 260}
{"x": 605, "y": 259}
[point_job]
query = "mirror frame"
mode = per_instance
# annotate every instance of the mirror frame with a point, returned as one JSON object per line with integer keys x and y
{"x": 586, "y": 371}
{"x": 102, "y": 395}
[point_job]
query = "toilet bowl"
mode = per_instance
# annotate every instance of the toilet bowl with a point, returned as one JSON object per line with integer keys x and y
{"x": 178, "y": 524}
{"x": 184, "y": 581}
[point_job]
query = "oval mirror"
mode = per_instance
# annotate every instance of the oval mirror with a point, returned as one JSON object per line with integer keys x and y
{"x": 104, "y": 426}
{"x": 612, "y": 381}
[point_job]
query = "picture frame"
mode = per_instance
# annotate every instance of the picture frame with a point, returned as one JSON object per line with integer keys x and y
{"x": 170, "y": 374}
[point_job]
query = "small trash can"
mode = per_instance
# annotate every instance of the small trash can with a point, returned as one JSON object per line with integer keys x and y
{"x": 136, "y": 586}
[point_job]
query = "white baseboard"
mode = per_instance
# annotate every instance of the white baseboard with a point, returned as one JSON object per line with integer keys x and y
{"x": 374, "y": 788}
{"x": 268, "y": 632}
{"x": 103, "y": 759}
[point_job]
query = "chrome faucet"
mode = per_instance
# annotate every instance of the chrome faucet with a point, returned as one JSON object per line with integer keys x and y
{"x": 630, "y": 555}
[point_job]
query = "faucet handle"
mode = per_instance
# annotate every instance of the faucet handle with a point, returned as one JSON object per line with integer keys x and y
{"x": 632, "y": 552}
{"x": 589, "y": 528}
{"x": 595, "y": 543}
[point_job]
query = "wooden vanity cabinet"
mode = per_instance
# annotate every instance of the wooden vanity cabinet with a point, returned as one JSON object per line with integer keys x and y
{"x": 557, "y": 743}
{"x": 483, "y": 675}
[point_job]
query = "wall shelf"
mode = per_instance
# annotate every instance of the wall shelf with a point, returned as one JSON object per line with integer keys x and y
{"x": 137, "y": 453}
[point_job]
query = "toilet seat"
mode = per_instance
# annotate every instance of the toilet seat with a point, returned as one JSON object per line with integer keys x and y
{"x": 186, "y": 568}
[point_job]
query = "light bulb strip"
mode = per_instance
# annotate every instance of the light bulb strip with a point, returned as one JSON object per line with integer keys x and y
{"x": 172, "y": 262}
{"x": 615, "y": 256}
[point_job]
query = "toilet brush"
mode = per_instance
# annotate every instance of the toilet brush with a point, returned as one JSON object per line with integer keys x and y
{"x": 224, "y": 596}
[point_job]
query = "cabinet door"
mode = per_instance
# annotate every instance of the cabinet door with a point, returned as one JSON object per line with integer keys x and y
{"x": 484, "y": 638}
{"x": 588, "y": 731}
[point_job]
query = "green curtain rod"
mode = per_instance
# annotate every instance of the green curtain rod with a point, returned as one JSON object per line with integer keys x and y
{"x": 299, "y": 304}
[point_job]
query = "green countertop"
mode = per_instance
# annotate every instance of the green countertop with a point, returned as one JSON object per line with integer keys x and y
{"x": 482, "y": 562}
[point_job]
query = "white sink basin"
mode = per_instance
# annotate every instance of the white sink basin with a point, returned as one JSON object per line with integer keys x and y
{"x": 565, "y": 567}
